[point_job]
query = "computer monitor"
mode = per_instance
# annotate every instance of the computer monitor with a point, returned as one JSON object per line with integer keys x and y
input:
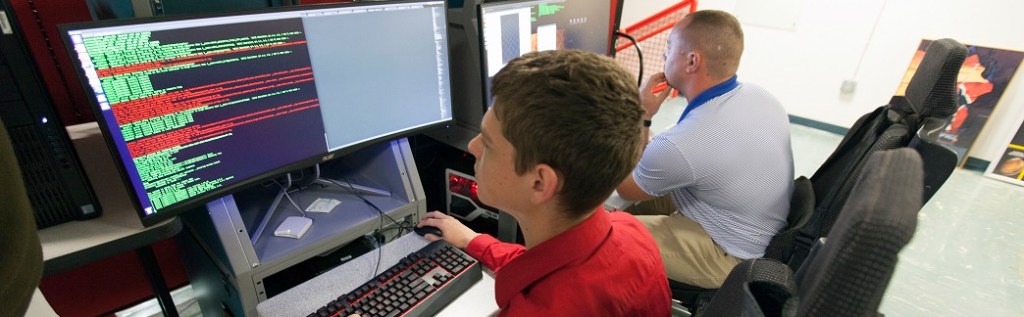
{"x": 196, "y": 107}
{"x": 510, "y": 29}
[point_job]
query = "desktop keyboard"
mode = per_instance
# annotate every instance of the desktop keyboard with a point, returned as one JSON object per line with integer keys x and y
{"x": 420, "y": 284}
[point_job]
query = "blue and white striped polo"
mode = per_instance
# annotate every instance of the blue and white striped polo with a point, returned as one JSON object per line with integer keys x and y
{"x": 728, "y": 165}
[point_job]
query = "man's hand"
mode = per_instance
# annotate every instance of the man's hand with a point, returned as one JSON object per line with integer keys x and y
{"x": 454, "y": 231}
{"x": 650, "y": 101}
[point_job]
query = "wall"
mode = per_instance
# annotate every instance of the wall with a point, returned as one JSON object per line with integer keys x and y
{"x": 806, "y": 65}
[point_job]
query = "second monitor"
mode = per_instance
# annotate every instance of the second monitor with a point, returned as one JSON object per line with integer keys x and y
{"x": 512, "y": 29}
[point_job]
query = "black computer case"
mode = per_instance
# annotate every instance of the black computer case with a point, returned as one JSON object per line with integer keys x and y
{"x": 56, "y": 184}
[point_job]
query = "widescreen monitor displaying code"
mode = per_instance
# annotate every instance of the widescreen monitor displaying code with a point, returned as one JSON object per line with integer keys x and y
{"x": 195, "y": 105}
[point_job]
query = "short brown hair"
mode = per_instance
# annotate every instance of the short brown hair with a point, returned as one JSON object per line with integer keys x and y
{"x": 719, "y": 36}
{"x": 575, "y": 111}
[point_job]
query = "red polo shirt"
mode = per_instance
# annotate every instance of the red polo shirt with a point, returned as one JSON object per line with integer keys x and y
{"x": 608, "y": 265}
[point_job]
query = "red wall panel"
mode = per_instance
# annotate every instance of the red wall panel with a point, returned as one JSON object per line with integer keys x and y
{"x": 115, "y": 283}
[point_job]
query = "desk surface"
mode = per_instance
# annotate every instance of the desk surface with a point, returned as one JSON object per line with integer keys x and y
{"x": 309, "y": 296}
{"x": 117, "y": 230}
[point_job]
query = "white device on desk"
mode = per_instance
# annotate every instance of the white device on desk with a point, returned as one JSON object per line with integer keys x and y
{"x": 293, "y": 227}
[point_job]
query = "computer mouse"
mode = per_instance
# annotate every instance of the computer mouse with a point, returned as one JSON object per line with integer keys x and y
{"x": 424, "y": 230}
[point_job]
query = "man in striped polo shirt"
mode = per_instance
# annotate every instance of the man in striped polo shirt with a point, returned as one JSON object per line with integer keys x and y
{"x": 727, "y": 164}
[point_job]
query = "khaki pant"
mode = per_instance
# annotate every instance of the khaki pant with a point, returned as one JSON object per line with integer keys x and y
{"x": 689, "y": 253}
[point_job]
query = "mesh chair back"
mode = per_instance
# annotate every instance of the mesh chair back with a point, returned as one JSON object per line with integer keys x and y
{"x": 755, "y": 287}
{"x": 913, "y": 120}
{"x": 848, "y": 276}
{"x": 932, "y": 90}
{"x": 894, "y": 136}
{"x": 935, "y": 97}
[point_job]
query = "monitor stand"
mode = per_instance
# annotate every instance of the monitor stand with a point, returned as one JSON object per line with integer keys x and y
{"x": 323, "y": 182}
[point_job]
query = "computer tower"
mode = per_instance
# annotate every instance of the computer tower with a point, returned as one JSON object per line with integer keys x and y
{"x": 53, "y": 176}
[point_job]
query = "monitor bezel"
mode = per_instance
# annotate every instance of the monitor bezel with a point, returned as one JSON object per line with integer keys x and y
{"x": 202, "y": 199}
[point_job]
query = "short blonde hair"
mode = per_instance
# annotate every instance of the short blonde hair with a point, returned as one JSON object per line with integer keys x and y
{"x": 719, "y": 36}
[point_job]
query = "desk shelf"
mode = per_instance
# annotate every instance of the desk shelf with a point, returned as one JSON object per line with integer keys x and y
{"x": 226, "y": 265}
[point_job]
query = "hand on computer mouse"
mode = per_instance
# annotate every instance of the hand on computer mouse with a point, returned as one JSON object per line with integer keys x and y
{"x": 452, "y": 230}
{"x": 425, "y": 230}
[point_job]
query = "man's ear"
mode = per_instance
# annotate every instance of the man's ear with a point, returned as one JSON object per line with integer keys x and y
{"x": 693, "y": 60}
{"x": 546, "y": 183}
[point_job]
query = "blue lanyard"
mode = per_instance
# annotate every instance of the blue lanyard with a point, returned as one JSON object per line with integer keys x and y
{"x": 709, "y": 94}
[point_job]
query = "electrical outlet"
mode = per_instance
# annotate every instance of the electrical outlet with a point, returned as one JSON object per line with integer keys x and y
{"x": 848, "y": 88}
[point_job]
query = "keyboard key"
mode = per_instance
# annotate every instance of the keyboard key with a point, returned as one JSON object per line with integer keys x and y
{"x": 419, "y": 286}
{"x": 416, "y": 284}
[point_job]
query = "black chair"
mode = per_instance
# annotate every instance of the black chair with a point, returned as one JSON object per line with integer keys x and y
{"x": 780, "y": 248}
{"x": 21, "y": 256}
{"x": 912, "y": 120}
{"x": 801, "y": 207}
{"x": 689, "y": 296}
{"x": 848, "y": 275}
{"x": 755, "y": 287}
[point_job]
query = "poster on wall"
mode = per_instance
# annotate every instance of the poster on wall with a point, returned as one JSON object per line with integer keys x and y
{"x": 1010, "y": 165}
{"x": 983, "y": 79}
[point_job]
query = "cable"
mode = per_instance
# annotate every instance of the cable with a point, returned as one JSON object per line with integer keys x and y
{"x": 286, "y": 195}
{"x": 871, "y": 35}
{"x": 639, "y": 56}
{"x": 380, "y": 228}
{"x": 363, "y": 198}
{"x": 380, "y": 246}
{"x": 404, "y": 226}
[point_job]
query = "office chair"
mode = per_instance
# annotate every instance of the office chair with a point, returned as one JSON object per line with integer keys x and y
{"x": 780, "y": 248}
{"x": 801, "y": 207}
{"x": 848, "y": 275}
{"x": 21, "y": 256}
{"x": 935, "y": 98}
{"x": 755, "y": 287}
{"x": 913, "y": 120}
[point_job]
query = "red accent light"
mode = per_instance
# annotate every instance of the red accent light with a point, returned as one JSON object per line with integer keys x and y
{"x": 463, "y": 186}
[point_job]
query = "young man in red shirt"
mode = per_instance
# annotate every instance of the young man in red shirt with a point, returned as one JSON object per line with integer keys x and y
{"x": 563, "y": 131}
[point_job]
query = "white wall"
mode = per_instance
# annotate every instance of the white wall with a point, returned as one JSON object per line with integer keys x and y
{"x": 804, "y": 67}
